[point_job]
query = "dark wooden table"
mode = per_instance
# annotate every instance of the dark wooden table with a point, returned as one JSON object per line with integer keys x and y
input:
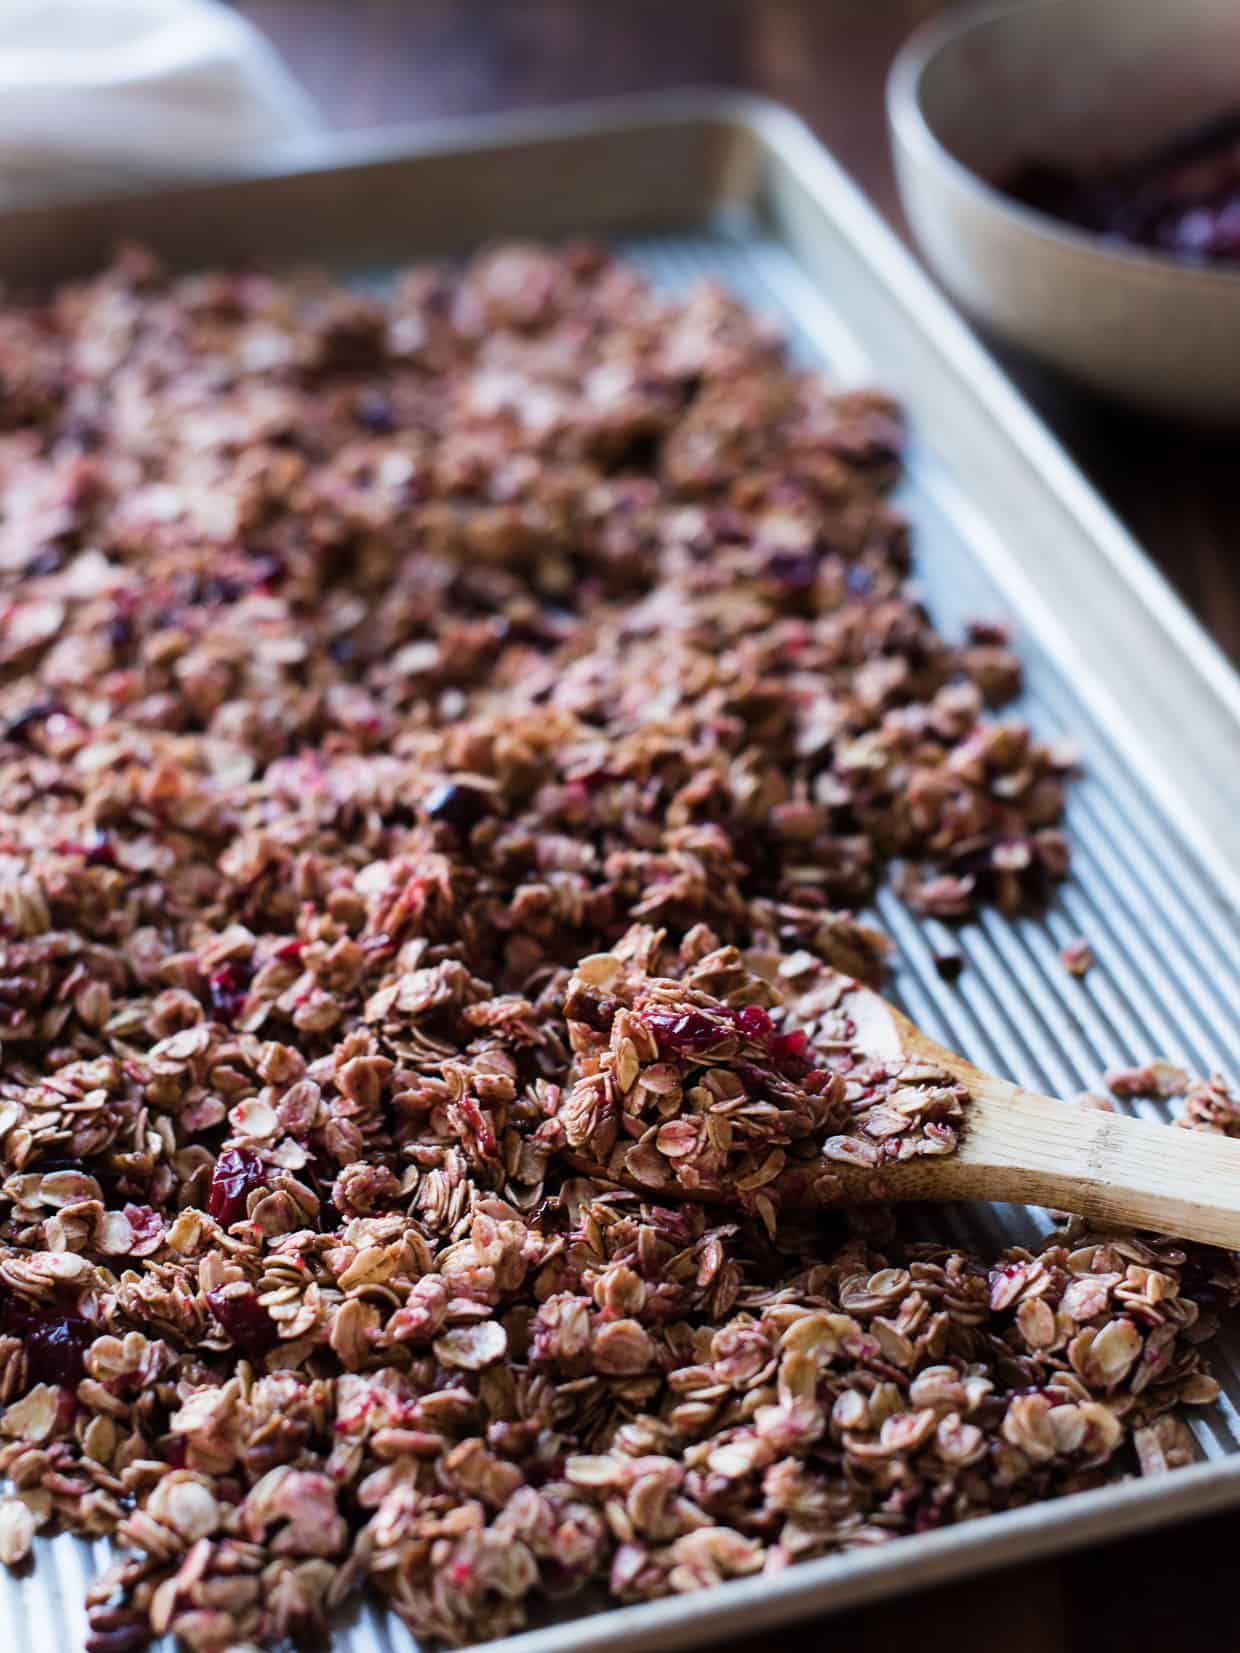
{"x": 370, "y": 62}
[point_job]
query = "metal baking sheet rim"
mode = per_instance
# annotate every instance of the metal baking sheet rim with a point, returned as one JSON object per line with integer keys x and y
{"x": 777, "y": 138}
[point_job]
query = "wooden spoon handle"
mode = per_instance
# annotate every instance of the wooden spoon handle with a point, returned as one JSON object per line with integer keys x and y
{"x": 1106, "y": 1167}
{"x": 1026, "y": 1148}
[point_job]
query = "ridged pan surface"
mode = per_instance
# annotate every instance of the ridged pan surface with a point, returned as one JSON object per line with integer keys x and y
{"x": 1166, "y": 981}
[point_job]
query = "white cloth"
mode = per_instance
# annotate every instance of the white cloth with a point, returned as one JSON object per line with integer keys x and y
{"x": 105, "y": 92}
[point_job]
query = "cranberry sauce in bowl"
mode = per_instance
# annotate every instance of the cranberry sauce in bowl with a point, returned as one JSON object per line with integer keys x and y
{"x": 1182, "y": 198}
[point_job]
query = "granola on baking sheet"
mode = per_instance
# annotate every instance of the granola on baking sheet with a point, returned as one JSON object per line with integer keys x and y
{"x": 444, "y": 739}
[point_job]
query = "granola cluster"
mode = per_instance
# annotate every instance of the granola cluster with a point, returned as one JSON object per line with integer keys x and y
{"x": 688, "y": 1085}
{"x": 443, "y": 743}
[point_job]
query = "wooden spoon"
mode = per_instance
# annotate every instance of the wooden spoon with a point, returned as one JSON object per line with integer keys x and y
{"x": 1016, "y": 1145}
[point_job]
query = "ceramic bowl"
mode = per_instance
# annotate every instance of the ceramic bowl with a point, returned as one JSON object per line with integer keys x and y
{"x": 1083, "y": 84}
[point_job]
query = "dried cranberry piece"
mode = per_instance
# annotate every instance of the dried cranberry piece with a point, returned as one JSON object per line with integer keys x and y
{"x": 100, "y": 850}
{"x": 96, "y": 849}
{"x": 319, "y": 1175}
{"x": 539, "y": 1471}
{"x": 684, "y": 1030}
{"x": 544, "y": 629}
{"x": 754, "y": 1022}
{"x": 19, "y": 727}
{"x": 795, "y": 570}
{"x": 867, "y": 439}
{"x": 219, "y": 589}
{"x": 269, "y": 571}
{"x": 926, "y": 1516}
{"x": 237, "y": 1171}
{"x": 374, "y": 413}
{"x": 988, "y": 631}
{"x": 245, "y": 1320}
{"x": 48, "y": 561}
{"x": 758, "y": 855}
{"x": 592, "y": 1009}
{"x": 788, "y": 1049}
{"x": 84, "y": 435}
{"x": 288, "y": 952}
{"x": 56, "y": 1350}
{"x": 228, "y": 987}
{"x": 457, "y": 805}
{"x": 126, "y": 1638}
{"x": 55, "y": 1341}
{"x": 593, "y": 780}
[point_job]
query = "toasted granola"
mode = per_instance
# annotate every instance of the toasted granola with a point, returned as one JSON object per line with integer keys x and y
{"x": 444, "y": 740}
{"x": 1158, "y": 1078}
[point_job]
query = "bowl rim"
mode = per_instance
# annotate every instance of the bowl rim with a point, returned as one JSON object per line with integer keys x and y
{"x": 912, "y": 131}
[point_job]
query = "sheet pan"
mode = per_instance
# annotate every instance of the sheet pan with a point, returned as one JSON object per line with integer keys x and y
{"x": 723, "y": 185}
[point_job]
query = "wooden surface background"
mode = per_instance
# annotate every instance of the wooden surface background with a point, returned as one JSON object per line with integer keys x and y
{"x": 372, "y": 62}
